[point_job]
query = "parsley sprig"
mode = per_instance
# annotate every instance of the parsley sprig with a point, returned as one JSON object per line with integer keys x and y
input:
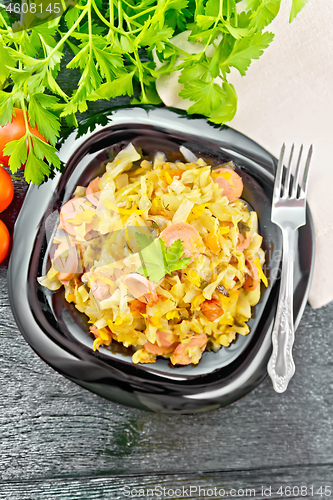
{"x": 112, "y": 45}
{"x": 157, "y": 260}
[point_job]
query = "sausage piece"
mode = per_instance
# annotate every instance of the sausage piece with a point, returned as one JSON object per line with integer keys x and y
{"x": 67, "y": 265}
{"x": 243, "y": 243}
{"x": 251, "y": 282}
{"x": 182, "y": 354}
{"x": 141, "y": 288}
{"x": 92, "y": 191}
{"x": 187, "y": 234}
{"x": 230, "y": 182}
{"x": 69, "y": 211}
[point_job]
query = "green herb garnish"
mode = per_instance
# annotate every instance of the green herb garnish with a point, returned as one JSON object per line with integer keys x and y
{"x": 114, "y": 45}
{"x": 154, "y": 224}
{"x": 243, "y": 228}
{"x": 157, "y": 260}
{"x": 203, "y": 284}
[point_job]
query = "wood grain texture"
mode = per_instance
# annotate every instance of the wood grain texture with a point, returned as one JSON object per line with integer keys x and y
{"x": 304, "y": 482}
{"x": 52, "y": 429}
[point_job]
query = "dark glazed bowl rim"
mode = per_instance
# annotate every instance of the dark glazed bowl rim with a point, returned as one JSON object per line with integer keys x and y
{"x": 114, "y": 379}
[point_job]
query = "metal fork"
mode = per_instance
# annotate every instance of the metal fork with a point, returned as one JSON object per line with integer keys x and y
{"x": 288, "y": 212}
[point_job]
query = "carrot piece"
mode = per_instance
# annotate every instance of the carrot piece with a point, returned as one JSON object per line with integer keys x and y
{"x": 137, "y": 308}
{"x": 177, "y": 172}
{"x": 212, "y": 309}
{"x": 213, "y": 243}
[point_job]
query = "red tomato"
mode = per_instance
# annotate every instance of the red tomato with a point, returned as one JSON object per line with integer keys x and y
{"x": 14, "y": 131}
{"x": 4, "y": 241}
{"x": 6, "y": 189}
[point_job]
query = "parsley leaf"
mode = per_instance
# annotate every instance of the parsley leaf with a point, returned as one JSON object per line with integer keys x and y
{"x": 157, "y": 260}
{"x": 208, "y": 96}
{"x": 35, "y": 169}
{"x": 228, "y": 105}
{"x": 6, "y": 107}
{"x": 152, "y": 256}
{"x": 296, "y": 7}
{"x": 47, "y": 123}
{"x": 173, "y": 256}
{"x": 119, "y": 86}
{"x": 43, "y": 150}
{"x": 17, "y": 150}
{"x": 246, "y": 49}
{"x": 6, "y": 62}
{"x": 114, "y": 50}
{"x": 263, "y": 12}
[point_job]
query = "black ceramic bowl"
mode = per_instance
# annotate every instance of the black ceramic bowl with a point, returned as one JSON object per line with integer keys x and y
{"x": 58, "y": 332}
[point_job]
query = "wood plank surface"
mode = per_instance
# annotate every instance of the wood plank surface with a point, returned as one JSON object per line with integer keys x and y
{"x": 54, "y": 434}
{"x": 304, "y": 482}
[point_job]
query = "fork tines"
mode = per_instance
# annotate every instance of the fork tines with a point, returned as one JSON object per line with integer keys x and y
{"x": 293, "y": 184}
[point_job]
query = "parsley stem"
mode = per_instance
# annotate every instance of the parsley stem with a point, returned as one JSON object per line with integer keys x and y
{"x": 4, "y": 22}
{"x": 111, "y": 26}
{"x": 129, "y": 20}
{"x": 139, "y": 66}
{"x": 68, "y": 34}
{"x": 181, "y": 51}
{"x": 143, "y": 12}
{"x": 218, "y": 19}
{"x": 8, "y": 30}
{"x": 120, "y": 15}
{"x": 27, "y": 131}
{"x": 90, "y": 32}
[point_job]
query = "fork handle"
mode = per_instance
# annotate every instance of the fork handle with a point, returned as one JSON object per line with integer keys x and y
{"x": 281, "y": 366}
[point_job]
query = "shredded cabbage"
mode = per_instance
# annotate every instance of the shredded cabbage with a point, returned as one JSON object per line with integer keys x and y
{"x": 203, "y": 305}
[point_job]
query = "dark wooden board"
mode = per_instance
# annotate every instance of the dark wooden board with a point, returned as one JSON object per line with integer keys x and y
{"x": 304, "y": 482}
{"x": 54, "y": 434}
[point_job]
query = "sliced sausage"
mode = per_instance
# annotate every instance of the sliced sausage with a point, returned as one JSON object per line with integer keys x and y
{"x": 165, "y": 339}
{"x": 93, "y": 190}
{"x": 251, "y": 282}
{"x": 243, "y": 243}
{"x": 187, "y": 234}
{"x": 181, "y": 355}
{"x": 230, "y": 182}
{"x": 141, "y": 288}
{"x": 69, "y": 211}
{"x": 159, "y": 351}
{"x": 67, "y": 265}
{"x": 100, "y": 290}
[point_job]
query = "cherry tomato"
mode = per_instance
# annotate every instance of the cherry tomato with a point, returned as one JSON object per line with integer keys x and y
{"x": 14, "y": 131}
{"x": 6, "y": 189}
{"x": 4, "y": 241}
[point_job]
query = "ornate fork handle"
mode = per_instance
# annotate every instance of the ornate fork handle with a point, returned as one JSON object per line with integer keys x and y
{"x": 281, "y": 366}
